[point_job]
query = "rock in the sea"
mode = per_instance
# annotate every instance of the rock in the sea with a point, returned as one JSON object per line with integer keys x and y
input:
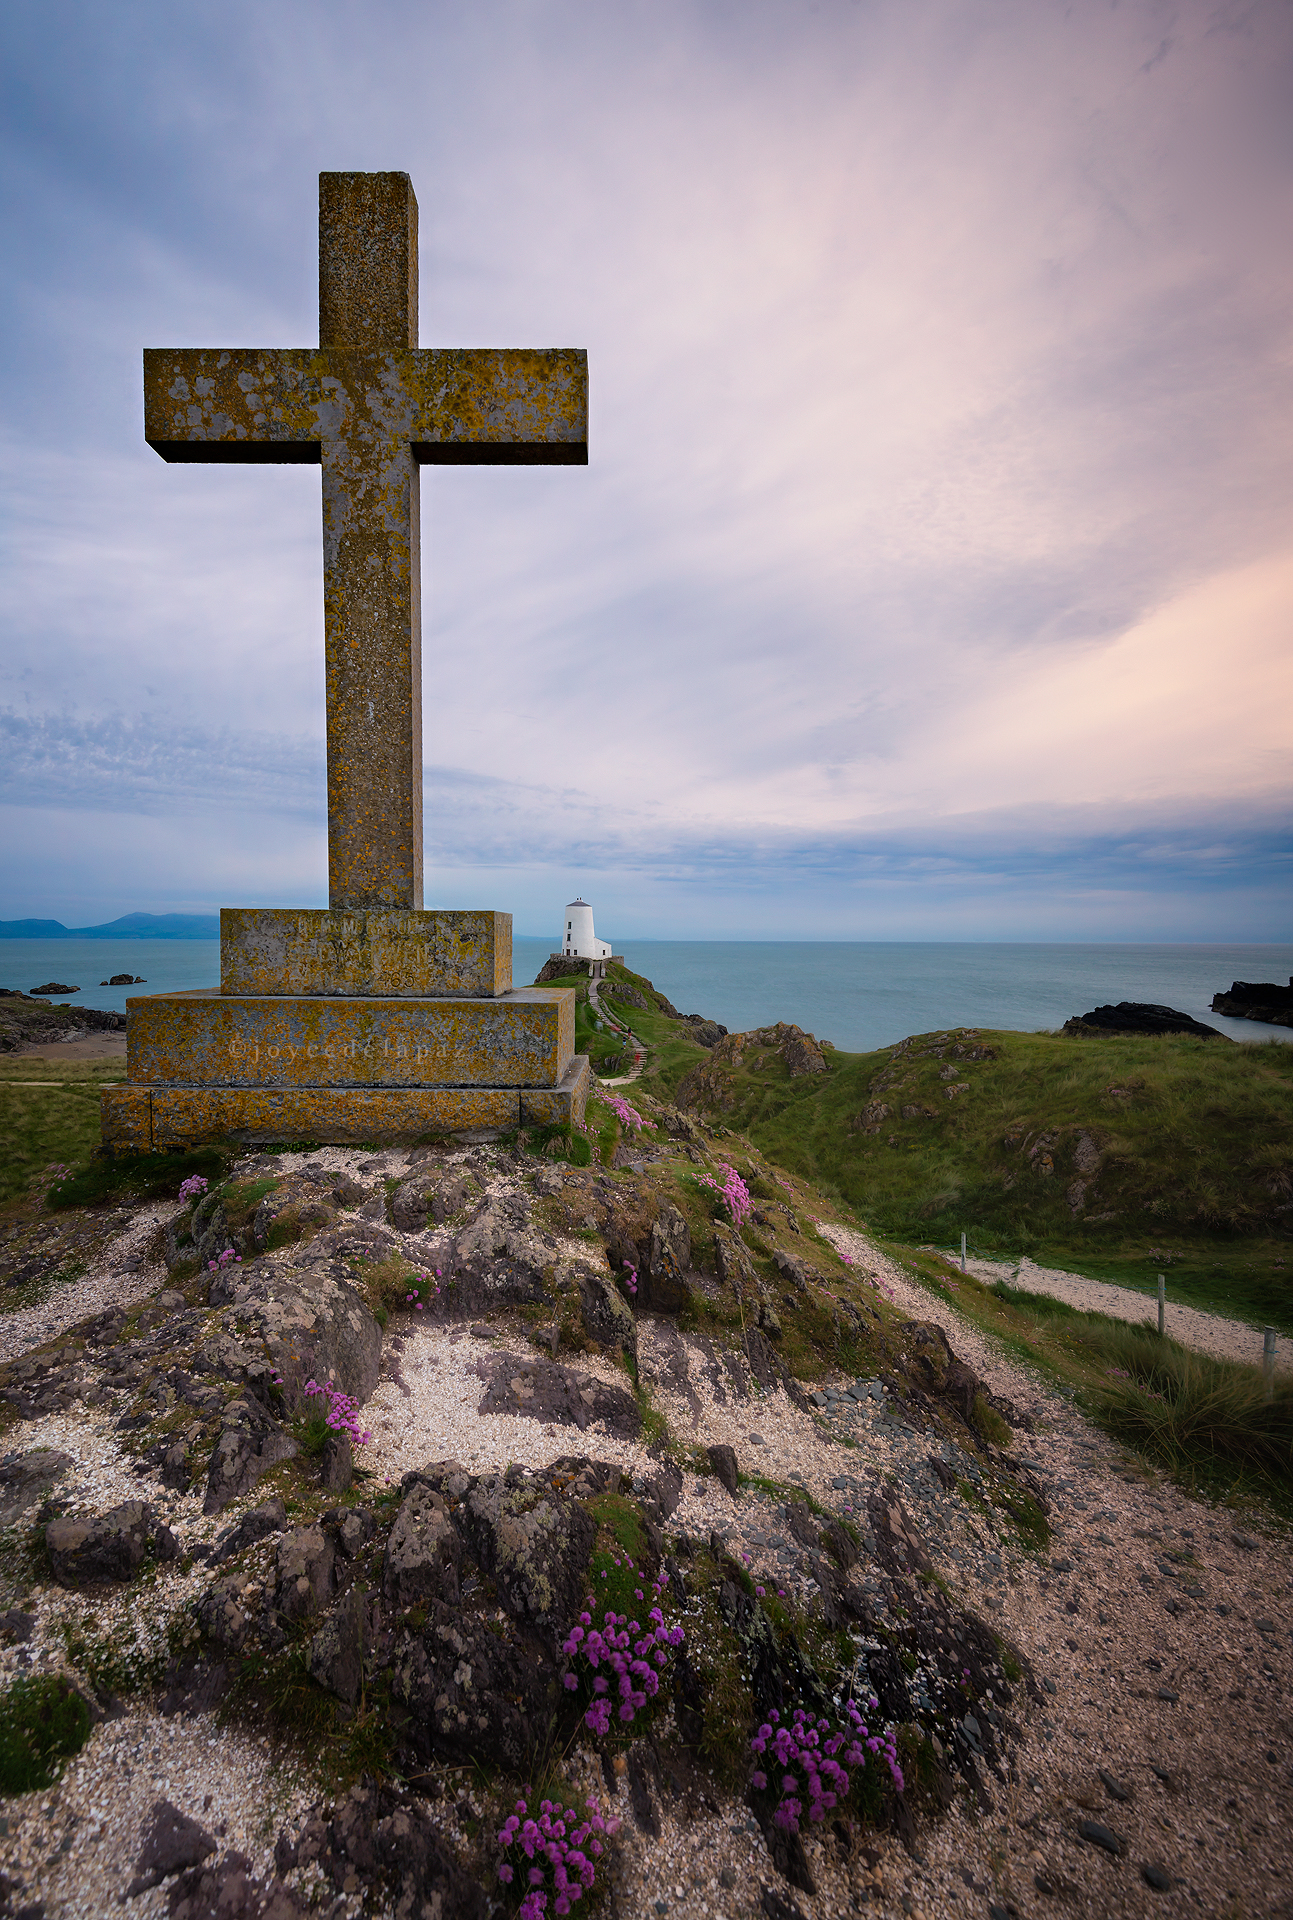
{"x": 1136, "y": 1016}
{"x": 1257, "y": 1000}
{"x": 54, "y": 986}
{"x": 110, "y": 1546}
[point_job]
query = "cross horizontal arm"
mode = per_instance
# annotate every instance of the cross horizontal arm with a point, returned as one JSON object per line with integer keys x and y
{"x": 453, "y": 406}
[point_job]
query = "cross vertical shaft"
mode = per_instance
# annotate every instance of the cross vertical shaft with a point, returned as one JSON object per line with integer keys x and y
{"x": 368, "y": 304}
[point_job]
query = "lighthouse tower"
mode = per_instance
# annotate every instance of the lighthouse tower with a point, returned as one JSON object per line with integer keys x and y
{"x": 578, "y": 939}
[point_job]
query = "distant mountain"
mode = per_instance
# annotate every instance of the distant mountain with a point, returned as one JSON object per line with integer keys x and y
{"x": 131, "y": 926}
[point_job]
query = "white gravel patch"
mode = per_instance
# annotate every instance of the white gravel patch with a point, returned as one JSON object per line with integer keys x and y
{"x": 425, "y": 1408}
{"x": 103, "y": 1285}
{"x": 80, "y": 1857}
{"x": 103, "y": 1475}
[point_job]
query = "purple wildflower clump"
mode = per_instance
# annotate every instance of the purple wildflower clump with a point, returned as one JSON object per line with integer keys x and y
{"x": 194, "y": 1187}
{"x": 425, "y": 1291}
{"x": 226, "y": 1258}
{"x": 631, "y": 1278}
{"x": 801, "y": 1763}
{"x": 633, "y": 1658}
{"x": 626, "y": 1115}
{"x": 733, "y": 1192}
{"x": 554, "y": 1854}
{"x": 342, "y": 1411}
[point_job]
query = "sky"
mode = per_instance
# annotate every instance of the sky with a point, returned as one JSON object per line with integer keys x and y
{"x": 932, "y": 573}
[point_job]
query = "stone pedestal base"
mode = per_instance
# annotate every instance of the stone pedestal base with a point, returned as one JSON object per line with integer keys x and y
{"x": 348, "y": 1028}
{"x": 151, "y": 1119}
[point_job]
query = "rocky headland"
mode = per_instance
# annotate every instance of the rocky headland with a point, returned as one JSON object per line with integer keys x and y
{"x": 316, "y": 1666}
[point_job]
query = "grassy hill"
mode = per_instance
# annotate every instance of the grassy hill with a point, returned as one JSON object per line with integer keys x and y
{"x": 1119, "y": 1156}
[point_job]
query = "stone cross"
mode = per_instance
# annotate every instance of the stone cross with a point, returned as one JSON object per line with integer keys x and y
{"x": 370, "y": 406}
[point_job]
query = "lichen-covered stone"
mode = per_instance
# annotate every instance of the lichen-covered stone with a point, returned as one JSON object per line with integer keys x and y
{"x": 110, "y": 1546}
{"x": 221, "y": 1616}
{"x": 310, "y": 1309}
{"x": 304, "y": 1567}
{"x": 423, "y": 1552}
{"x": 25, "y": 1479}
{"x": 607, "y": 1315}
{"x": 565, "y": 1396}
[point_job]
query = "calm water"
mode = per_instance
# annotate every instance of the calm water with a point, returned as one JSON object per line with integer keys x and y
{"x": 858, "y": 994}
{"x": 867, "y": 994}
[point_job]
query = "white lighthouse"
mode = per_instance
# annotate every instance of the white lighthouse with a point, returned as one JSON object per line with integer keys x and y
{"x": 578, "y": 941}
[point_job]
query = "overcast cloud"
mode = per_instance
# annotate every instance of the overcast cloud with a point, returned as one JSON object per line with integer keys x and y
{"x": 932, "y": 575}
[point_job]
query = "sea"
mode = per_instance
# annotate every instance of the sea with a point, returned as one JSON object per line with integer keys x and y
{"x": 857, "y": 994}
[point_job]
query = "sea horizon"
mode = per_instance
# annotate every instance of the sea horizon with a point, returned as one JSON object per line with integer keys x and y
{"x": 859, "y": 995}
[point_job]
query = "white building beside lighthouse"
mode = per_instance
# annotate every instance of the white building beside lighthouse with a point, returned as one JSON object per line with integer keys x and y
{"x": 578, "y": 941}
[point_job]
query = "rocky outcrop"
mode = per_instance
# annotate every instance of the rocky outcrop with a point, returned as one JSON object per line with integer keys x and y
{"x": 110, "y": 1546}
{"x": 1257, "y": 1000}
{"x": 304, "y": 1567}
{"x": 270, "y": 1517}
{"x": 560, "y": 967}
{"x": 662, "y": 1284}
{"x": 607, "y": 1317}
{"x": 1136, "y": 1016}
{"x": 29, "y": 1022}
{"x": 387, "y": 1843}
{"x": 556, "y": 1395}
{"x": 249, "y": 1444}
{"x": 712, "y": 1086}
{"x": 312, "y": 1310}
{"x": 708, "y": 1032}
{"x": 423, "y": 1551}
{"x": 25, "y": 1479}
{"x": 429, "y": 1197}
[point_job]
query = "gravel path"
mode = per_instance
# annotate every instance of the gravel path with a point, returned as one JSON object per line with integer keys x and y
{"x": 1212, "y": 1333}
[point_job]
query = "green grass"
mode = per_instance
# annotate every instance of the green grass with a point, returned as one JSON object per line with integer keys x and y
{"x": 1193, "y": 1412}
{"x": 43, "y": 1720}
{"x": 1192, "y": 1142}
{"x": 144, "y": 1176}
{"x": 56, "y": 1123}
{"x": 1207, "y": 1421}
